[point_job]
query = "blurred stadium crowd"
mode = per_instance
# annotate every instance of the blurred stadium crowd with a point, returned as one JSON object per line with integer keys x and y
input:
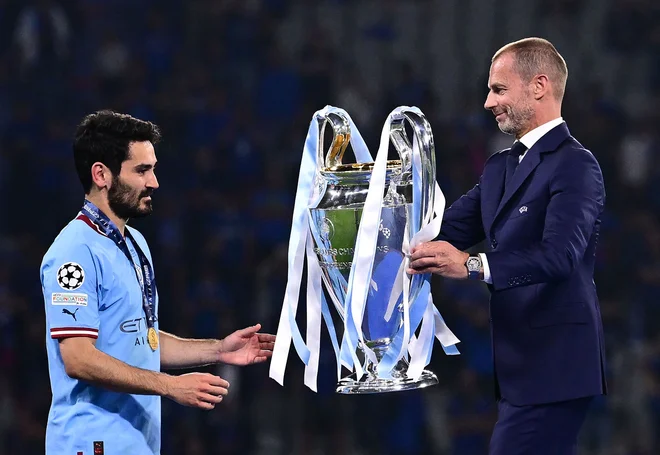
{"x": 233, "y": 84}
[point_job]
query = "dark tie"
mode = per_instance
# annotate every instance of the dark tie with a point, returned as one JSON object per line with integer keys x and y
{"x": 512, "y": 159}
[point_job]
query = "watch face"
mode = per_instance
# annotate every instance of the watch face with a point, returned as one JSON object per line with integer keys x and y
{"x": 473, "y": 264}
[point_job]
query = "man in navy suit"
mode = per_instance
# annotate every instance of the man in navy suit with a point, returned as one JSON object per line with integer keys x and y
{"x": 538, "y": 208}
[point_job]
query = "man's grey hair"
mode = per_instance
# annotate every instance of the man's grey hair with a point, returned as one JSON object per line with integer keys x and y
{"x": 534, "y": 56}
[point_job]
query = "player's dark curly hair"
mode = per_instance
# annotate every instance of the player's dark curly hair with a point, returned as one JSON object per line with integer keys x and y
{"x": 105, "y": 137}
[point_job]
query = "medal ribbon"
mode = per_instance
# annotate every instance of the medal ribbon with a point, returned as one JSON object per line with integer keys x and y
{"x": 148, "y": 285}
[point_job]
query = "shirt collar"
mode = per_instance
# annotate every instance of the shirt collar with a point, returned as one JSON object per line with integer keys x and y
{"x": 537, "y": 133}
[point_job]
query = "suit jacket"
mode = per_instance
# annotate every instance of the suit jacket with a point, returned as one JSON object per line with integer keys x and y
{"x": 542, "y": 231}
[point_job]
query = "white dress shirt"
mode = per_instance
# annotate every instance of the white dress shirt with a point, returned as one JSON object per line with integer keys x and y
{"x": 528, "y": 140}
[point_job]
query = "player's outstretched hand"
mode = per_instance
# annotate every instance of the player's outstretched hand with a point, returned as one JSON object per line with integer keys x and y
{"x": 246, "y": 346}
{"x": 200, "y": 390}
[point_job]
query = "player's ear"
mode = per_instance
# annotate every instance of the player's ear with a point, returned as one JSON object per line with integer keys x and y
{"x": 101, "y": 175}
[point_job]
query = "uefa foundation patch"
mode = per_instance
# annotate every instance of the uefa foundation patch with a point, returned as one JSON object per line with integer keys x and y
{"x": 69, "y": 298}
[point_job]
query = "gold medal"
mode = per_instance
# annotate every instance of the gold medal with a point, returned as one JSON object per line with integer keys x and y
{"x": 152, "y": 338}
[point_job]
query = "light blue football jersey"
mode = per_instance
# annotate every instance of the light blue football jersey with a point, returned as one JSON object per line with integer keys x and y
{"x": 91, "y": 289}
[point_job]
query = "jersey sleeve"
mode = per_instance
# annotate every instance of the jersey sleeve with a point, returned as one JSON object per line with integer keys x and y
{"x": 69, "y": 283}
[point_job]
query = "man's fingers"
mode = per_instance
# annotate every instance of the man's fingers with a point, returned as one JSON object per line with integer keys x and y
{"x": 248, "y": 332}
{"x": 217, "y": 391}
{"x": 427, "y": 253}
{"x": 211, "y": 399}
{"x": 420, "y": 253}
{"x": 205, "y": 405}
{"x": 424, "y": 262}
{"x": 217, "y": 381}
{"x": 266, "y": 337}
{"x": 424, "y": 270}
{"x": 434, "y": 248}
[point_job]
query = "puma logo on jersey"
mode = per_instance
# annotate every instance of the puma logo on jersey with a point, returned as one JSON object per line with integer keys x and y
{"x": 65, "y": 311}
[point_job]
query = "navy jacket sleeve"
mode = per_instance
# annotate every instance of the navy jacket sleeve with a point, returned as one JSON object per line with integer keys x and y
{"x": 577, "y": 196}
{"x": 461, "y": 222}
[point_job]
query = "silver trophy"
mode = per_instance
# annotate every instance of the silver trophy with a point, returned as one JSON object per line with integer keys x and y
{"x": 334, "y": 225}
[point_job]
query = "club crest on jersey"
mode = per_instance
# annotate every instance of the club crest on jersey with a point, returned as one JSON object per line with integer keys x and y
{"x": 70, "y": 276}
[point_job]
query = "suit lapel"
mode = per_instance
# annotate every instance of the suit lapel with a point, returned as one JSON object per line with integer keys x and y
{"x": 526, "y": 166}
{"x": 548, "y": 143}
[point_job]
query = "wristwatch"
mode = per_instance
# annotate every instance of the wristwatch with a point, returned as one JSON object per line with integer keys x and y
{"x": 473, "y": 265}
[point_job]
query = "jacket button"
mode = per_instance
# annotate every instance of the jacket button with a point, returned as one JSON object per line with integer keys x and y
{"x": 493, "y": 243}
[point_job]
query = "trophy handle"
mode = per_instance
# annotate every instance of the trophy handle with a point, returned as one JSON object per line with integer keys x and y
{"x": 402, "y": 144}
{"x": 341, "y": 138}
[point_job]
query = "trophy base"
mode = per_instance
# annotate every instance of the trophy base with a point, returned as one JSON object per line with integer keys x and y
{"x": 369, "y": 384}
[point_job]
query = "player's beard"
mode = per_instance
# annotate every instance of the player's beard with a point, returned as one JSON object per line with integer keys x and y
{"x": 125, "y": 201}
{"x": 517, "y": 118}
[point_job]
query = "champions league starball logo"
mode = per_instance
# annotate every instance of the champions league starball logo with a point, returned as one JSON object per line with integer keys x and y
{"x": 70, "y": 276}
{"x": 327, "y": 230}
